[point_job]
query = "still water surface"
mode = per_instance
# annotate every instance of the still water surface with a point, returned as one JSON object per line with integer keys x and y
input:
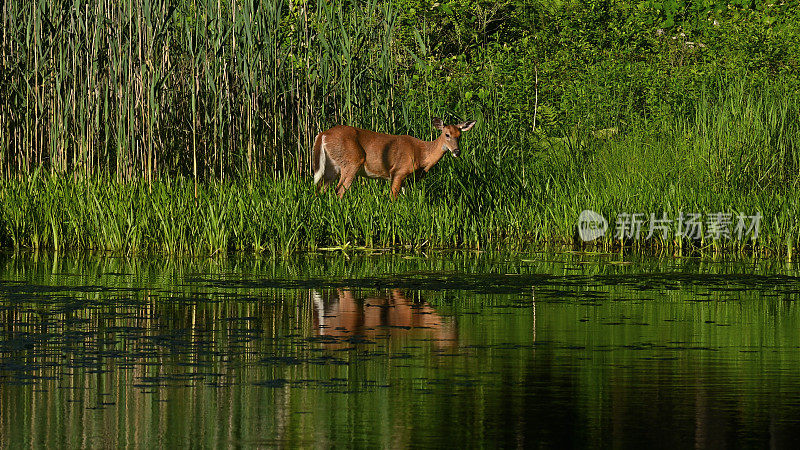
{"x": 453, "y": 349}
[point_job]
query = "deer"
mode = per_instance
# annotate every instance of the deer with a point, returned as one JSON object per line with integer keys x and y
{"x": 347, "y": 152}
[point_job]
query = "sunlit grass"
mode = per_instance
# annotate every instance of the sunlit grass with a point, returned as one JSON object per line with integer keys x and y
{"x": 199, "y": 143}
{"x": 458, "y": 206}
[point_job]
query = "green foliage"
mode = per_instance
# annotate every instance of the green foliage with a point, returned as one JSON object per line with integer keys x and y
{"x": 242, "y": 88}
{"x": 567, "y": 96}
{"x": 737, "y": 153}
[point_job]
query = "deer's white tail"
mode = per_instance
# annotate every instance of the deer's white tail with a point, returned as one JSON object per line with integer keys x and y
{"x": 319, "y": 304}
{"x": 320, "y": 159}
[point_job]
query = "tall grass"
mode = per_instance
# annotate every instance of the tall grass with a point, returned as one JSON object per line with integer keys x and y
{"x": 482, "y": 200}
{"x": 136, "y": 88}
{"x": 150, "y": 125}
{"x": 490, "y": 198}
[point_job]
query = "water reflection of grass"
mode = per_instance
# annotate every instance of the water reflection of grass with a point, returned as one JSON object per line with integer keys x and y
{"x": 218, "y": 351}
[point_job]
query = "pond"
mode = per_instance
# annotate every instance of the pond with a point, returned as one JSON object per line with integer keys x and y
{"x": 392, "y": 350}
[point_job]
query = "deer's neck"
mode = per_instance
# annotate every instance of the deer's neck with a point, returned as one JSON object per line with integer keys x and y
{"x": 432, "y": 153}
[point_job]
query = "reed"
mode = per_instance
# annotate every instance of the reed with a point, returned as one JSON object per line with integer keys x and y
{"x": 185, "y": 127}
{"x": 139, "y": 89}
{"x": 473, "y": 202}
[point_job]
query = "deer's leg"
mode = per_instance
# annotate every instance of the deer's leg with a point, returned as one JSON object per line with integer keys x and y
{"x": 397, "y": 183}
{"x": 346, "y": 179}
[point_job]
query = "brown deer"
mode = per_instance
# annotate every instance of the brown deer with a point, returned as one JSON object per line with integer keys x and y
{"x": 347, "y": 152}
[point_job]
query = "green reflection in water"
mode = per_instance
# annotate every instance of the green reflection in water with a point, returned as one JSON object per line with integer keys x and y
{"x": 388, "y": 350}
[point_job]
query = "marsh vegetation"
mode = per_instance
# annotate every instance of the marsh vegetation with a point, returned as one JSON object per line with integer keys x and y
{"x": 187, "y": 126}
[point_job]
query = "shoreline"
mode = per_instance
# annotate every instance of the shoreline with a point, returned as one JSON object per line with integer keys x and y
{"x": 284, "y": 215}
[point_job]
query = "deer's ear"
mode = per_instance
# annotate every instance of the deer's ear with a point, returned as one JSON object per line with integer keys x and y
{"x": 465, "y": 126}
{"x": 437, "y": 122}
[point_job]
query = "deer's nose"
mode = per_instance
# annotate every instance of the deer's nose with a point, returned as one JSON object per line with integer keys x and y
{"x": 455, "y": 152}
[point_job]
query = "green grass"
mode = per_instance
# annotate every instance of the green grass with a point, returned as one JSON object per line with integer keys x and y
{"x": 199, "y": 143}
{"x": 137, "y": 88}
{"x": 486, "y": 199}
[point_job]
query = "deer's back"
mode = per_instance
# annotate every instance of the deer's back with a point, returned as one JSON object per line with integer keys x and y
{"x": 377, "y": 154}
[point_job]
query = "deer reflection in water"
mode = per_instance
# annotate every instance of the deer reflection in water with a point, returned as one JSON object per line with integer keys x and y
{"x": 341, "y": 315}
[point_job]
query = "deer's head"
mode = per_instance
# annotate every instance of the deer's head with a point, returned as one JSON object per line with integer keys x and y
{"x": 451, "y": 134}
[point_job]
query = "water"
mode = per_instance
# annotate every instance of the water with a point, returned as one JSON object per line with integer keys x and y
{"x": 453, "y": 349}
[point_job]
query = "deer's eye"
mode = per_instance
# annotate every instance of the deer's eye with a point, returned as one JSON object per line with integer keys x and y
{"x": 447, "y": 134}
